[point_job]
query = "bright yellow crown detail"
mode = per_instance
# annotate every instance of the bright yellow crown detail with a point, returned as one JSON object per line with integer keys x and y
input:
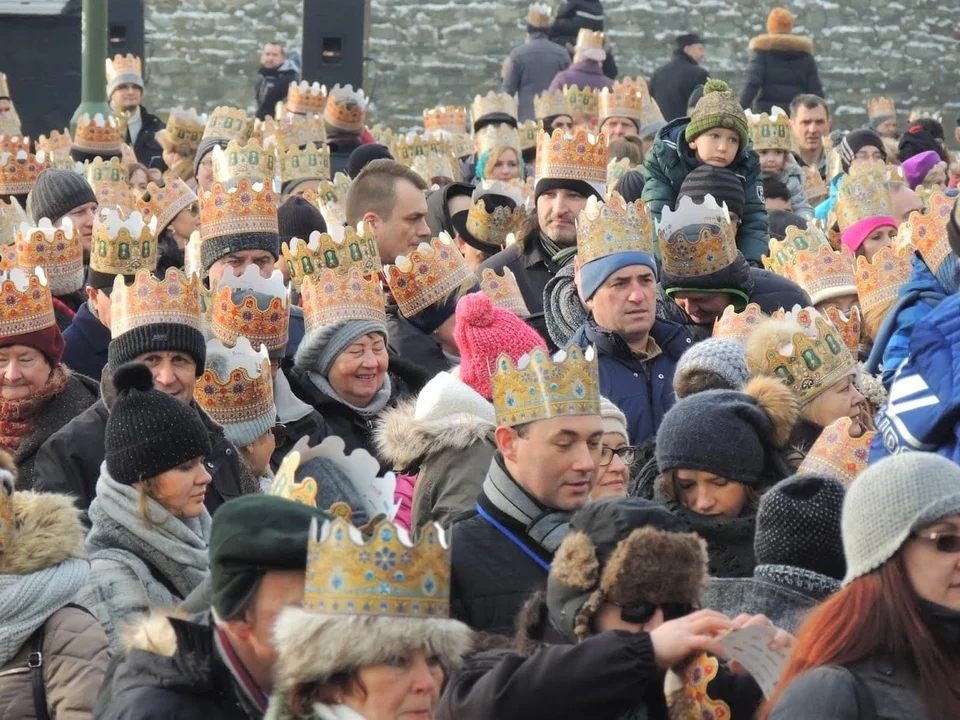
{"x": 332, "y": 251}
{"x": 228, "y": 123}
{"x": 185, "y": 129}
{"x": 123, "y": 246}
{"x": 613, "y": 227}
{"x": 414, "y": 145}
{"x": 572, "y": 157}
{"x": 110, "y": 182}
{"x": 625, "y": 99}
{"x": 879, "y": 280}
{"x": 738, "y": 326}
{"x": 837, "y": 453}
{"x": 242, "y": 392}
{"x": 286, "y": 486}
{"x": 310, "y": 163}
{"x": 150, "y": 300}
{"x": 863, "y": 195}
{"x": 782, "y": 252}
{"x": 550, "y": 104}
{"x": 494, "y": 227}
{"x": 696, "y": 239}
{"x": 329, "y": 296}
{"x": 582, "y": 102}
{"x": 429, "y": 274}
{"x": 504, "y": 291}
{"x": 244, "y": 161}
{"x": 300, "y": 130}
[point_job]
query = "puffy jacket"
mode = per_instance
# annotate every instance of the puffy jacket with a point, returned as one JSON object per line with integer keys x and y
{"x": 792, "y": 177}
{"x": 574, "y": 16}
{"x": 530, "y": 69}
{"x": 672, "y": 84}
{"x": 582, "y": 74}
{"x": 781, "y": 67}
{"x": 86, "y": 343}
{"x": 670, "y": 160}
{"x": 823, "y": 210}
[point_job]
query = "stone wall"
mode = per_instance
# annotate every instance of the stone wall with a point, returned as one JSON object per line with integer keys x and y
{"x": 205, "y": 52}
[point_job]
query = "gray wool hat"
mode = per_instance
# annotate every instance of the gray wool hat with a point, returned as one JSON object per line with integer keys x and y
{"x": 56, "y": 193}
{"x": 892, "y": 499}
{"x": 721, "y": 356}
{"x": 320, "y": 347}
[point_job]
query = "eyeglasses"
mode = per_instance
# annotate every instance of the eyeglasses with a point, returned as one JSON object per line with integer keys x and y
{"x": 194, "y": 209}
{"x": 627, "y": 453}
{"x": 643, "y": 612}
{"x": 943, "y": 541}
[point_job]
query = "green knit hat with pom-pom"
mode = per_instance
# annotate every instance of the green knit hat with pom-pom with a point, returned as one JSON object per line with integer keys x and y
{"x": 717, "y": 108}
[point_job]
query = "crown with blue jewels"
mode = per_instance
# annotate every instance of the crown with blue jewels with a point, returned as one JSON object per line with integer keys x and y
{"x": 613, "y": 227}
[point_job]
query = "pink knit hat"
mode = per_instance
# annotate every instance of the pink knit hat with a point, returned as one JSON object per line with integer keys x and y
{"x": 855, "y": 235}
{"x": 483, "y": 332}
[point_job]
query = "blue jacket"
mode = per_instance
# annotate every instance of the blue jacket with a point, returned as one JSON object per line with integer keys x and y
{"x": 86, "y": 341}
{"x": 642, "y": 390}
{"x": 821, "y": 211}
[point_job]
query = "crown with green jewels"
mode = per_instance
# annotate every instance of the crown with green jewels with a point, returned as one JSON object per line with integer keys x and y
{"x": 550, "y": 104}
{"x": 770, "y": 131}
{"x": 340, "y": 248}
{"x": 848, "y": 324}
{"x": 613, "y": 227}
{"x": 110, "y": 182}
{"x": 309, "y": 163}
{"x": 228, "y": 123}
{"x": 244, "y": 161}
{"x": 299, "y": 131}
{"x": 123, "y": 246}
{"x": 582, "y": 101}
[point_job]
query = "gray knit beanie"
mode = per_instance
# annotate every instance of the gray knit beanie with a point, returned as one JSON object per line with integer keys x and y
{"x": 892, "y": 499}
{"x": 56, "y": 193}
{"x": 721, "y": 356}
{"x": 320, "y": 347}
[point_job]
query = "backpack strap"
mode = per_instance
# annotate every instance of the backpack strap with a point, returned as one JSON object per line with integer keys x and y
{"x": 35, "y": 663}
{"x": 160, "y": 577}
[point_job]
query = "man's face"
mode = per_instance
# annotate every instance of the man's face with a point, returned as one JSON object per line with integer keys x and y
{"x": 716, "y": 147}
{"x": 697, "y": 52}
{"x": 5, "y": 106}
{"x": 555, "y": 460}
{"x": 868, "y": 153}
{"x": 127, "y": 97}
{"x": 407, "y": 225}
{"x": 905, "y": 203}
{"x": 82, "y": 219}
{"x": 271, "y": 57}
{"x": 615, "y": 127}
{"x": 810, "y": 126}
{"x": 888, "y": 128}
{"x": 557, "y": 212}
{"x": 174, "y": 372}
{"x": 101, "y": 301}
{"x": 238, "y": 262}
{"x": 703, "y": 307}
{"x": 626, "y": 303}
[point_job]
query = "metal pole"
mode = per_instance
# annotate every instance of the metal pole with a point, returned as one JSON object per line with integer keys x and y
{"x": 93, "y": 52}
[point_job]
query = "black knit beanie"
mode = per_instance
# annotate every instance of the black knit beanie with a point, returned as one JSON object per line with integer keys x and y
{"x": 149, "y": 432}
{"x": 57, "y": 192}
{"x": 365, "y": 154}
{"x": 798, "y": 524}
{"x": 854, "y": 141}
{"x": 296, "y": 217}
{"x": 206, "y": 146}
{"x": 168, "y": 337}
{"x": 918, "y": 138}
{"x": 215, "y": 248}
{"x": 724, "y": 184}
{"x": 630, "y": 186}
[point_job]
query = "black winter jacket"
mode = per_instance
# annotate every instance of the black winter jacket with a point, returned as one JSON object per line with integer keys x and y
{"x": 146, "y": 148}
{"x": 574, "y": 16}
{"x": 672, "y": 84}
{"x": 781, "y": 67}
{"x": 271, "y": 86}
{"x": 413, "y": 345}
{"x": 531, "y": 266}
{"x": 86, "y": 341}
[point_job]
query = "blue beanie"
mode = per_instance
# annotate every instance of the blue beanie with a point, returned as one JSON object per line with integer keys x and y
{"x": 595, "y": 273}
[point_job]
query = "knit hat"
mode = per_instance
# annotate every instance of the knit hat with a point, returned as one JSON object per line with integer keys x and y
{"x": 717, "y": 108}
{"x": 563, "y": 311}
{"x": 160, "y": 336}
{"x": 613, "y": 419}
{"x": 682, "y": 41}
{"x": 798, "y": 524}
{"x": 630, "y": 186}
{"x": 780, "y": 20}
{"x": 921, "y": 136}
{"x": 297, "y": 217}
{"x": 724, "y": 184}
{"x": 364, "y": 155}
{"x": 915, "y": 168}
{"x": 482, "y": 333}
{"x": 149, "y": 432}
{"x": 717, "y": 357}
{"x": 891, "y": 500}
{"x": 56, "y": 193}
{"x": 320, "y": 348}
{"x": 854, "y": 141}
{"x": 48, "y": 341}
{"x": 779, "y": 220}
{"x": 756, "y": 424}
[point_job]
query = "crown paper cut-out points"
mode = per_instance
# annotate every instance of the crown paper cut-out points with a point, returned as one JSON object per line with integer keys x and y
{"x": 285, "y": 484}
{"x": 120, "y": 65}
{"x": 346, "y": 108}
{"x": 248, "y": 207}
{"x": 879, "y": 279}
{"x": 770, "y": 131}
{"x": 429, "y": 274}
{"x": 110, "y": 182}
{"x": 837, "y": 453}
{"x": 251, "y": 306}
{"x": 529, "y": 131}
{"x": 340, "y": 249}
{"x": 150, "y": 300}
{"x": 304, "y": 98}
{"x": 494, "y": 104}
{"x": 504, "y": 291}
{"x": 57, "y": 144}
{"x": 123, "y": 246}
{"x": 228, "y": 123}
{"x": 823, "y": 272}
{"x": 431, "y": 167}
{"x": 493, "y": 136}
{"x": 738, "y": 326}
{"x": 298, "y": 131}
{"x": 244, "y": 161}
{"x": 583, "y": 102}
{"x": 27, "y": 305}
{"x": 445, "y": 118}
{"x": 19, "y": 171}
{"x": 414, "y": 145}
{"x": 613, "y": 227}
{"x": 12, "y": 215}
{"x": 329, "y": 296}
{"x": 310, "y": 163}
{"x": 589, "y": 39}
{"x": 539, "y": 15}
{"x": 98, "y": 135}
{"x": 927, "y": 231}
{"x": 236, "y": 385}
{"x": 579, "y": 156}
{"x": 880, "y": 106}
{"x": 57, "y": 250}
{"x": 14, "y": 143}
{"x": 813, "y": 185}
{"x": 696, "y": 239}
{"x": 863, "y": 195}
{"x": 550, "y": 104}
{"x": 624, "y": 99}
{"x": 616, "y": 170}
{"x": 493, "y": 227}
{"x": 849, "y": 325}
{"x": 184, "y": 129}
{"x": 165, "y": 202}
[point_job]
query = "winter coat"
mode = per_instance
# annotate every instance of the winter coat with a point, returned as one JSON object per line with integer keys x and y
{"x": 172, "y": 669}
{"x": 530, "y": 69}
{"x": 574, "y": 16}
{"x": 781, "y": 67}
{"x": 669, "y": 162}
{"x": 530, "y": 265}
{"x": 78, "y": 394}
{"x": 586, "y": 74}
{"x": 86, "y": 341}
{"x": 271, "y": 86}
{"x": 792, "y": 177}
{"x": 823, "y": 210}
{"x": 643, "y": 390}
{"x": 146, "y": 148}
{"x": 672, "y": 84}
{"x": 407, "y": 341}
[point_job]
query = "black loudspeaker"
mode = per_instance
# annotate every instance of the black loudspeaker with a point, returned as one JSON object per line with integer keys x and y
{"x": 335, "y": 34}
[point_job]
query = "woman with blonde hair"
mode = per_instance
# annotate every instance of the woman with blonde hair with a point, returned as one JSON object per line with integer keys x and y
{"x": 501, "y": 162}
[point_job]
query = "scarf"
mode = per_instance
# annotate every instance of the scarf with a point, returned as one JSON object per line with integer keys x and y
{"x": 26, "y": 601}
{"x": 546, "y": 527}
{"x": 335, "y": 712}
{"x": 378, "y": 403}
{"x": 17, "y": 416}
{"x": 729, "y": 540}
{"x": 946, "y": 624}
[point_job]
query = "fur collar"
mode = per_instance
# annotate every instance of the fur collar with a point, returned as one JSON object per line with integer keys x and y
{"x": 154, "y": 633}
{"x": 48, "y": 531}
{"x": 782, "y": 42}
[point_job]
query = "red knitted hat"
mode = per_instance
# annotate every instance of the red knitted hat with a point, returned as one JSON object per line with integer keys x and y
{"x": 49, "y": 341}
{"x": 483, "y": 332}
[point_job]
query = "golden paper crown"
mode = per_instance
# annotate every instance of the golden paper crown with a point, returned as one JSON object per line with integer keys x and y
{"x": 494, "y": 103}
{"x": 492, "y": 228}
{"x": 228, "y": 123}
{"x": 529, "y": 132}
{"x": 504, "y": 291}
{"x": 539, "y": 15}
{"x": 122, "y": 247}
{"x": 879, "y": 106}
{"x": 253, "y": 307}
{"x": 329, "y": 201}
{"x": 814, "y": 186}
{"x": 861, "y": 196}
{"x": 57, "y": 250}
{"x": 651, "y": 113}
{"x": 770, "y": 131}
{"x": 540, "y": 387}
{"x": 19, "y": 171}
{"x": 838, "y": 454}
{"x": 696, "y": 239}
{"x": 330, "y": 296}
{"x": 14, "y": 143}
{"x": 432, "y": 167}
{"x": 110, "y": 182}
{"x": 167, "y": 201}
{"x": 98, "y": 135}
{"x": 625, "y": 99}
{"x": 414, "y": 145}
{"x": 247, "y": 208}
{"x": 184, "y": 131}
{"x": 589, "y": 39}
{"x": 616, "y": 170}
{"x": 56, "y": 145}
{"x": 339, "y": 249}
{"x": 244, "y": 161}
{"x": 236, "y": 385}
{"x": 27, "y": 305}
{"x": 445, "y": 118}
{"x": 919, "y": 113}
{"x": 310, "y": 163}
{"x": 550, "y": 104}
{"x": 11, "y": 216}
{"x": 927, "y": 231}
{"x": 285, "y": 483}
{"x": 300, "y": 131}
{"x": 429, "y": 274}
{"x": 306, "y": 99}
{"x": 879, "y": 280}
{"x": 814, "y": 361}
{"x": 384, "y": 136}
{"x": 824, "y": 273}
{"x": 738, "y": 326}
{"x": 461, "y": 144}
{"x": 493, "y": 136}
{"x": 582, "y": 102}
{"x": 613, "y": 227}
{"x": 4, "y": 86}
{"x": 151, "y": 300}
{"x": 573, "y": 157}
{"x": 849, "y": 325}
{"x": 124, "y": 65}
{"x": 346, "y": 108}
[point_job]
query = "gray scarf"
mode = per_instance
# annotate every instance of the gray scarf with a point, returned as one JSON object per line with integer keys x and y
{"x": 546, "y": 527}
{"x": 378, "y": 403}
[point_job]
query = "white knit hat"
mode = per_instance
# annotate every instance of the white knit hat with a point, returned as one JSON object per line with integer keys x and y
{"x": 447, "y": 398}
{"x": 614, "y": 421}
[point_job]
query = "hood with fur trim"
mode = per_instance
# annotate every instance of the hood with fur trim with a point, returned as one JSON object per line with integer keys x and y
{"x": 779, "y": 42}
{"x": 46, "y": 532}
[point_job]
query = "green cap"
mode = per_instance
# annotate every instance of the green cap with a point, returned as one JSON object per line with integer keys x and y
{"x": 718, "y": 107}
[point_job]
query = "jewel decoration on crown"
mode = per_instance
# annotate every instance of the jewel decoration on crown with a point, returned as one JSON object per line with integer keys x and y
{"x": 123, "y": 246}
{"x": 248, "y": 207}
{"x": 14, "y": 143}
{"x": 838, "y": 452}
{"x": 27, "y": 303}
{"x": 927, "y": 231}
{"x": 770, "y": 131}
{"x": 733, "y": 325}
{"x": 493, "y": 136}
{"x": 494, "y": 104}
{"x": 329, "y": 296}
{"x": 127, "y": 66}
{"x": 849, "y": 325}
{"x": 228, "y": 123}
{"x": 582, "y": 102}
{"x": 285, "y": 483}
{"x": 550, "y": 104}
{"x": 98, "y": 135}
{"x": 504, "y": 291}
{"x": 493, "y": 227}
{"x": 58, "y": 251}
{"x": 19, "y": 171}
{"x": 578, "y": 156}
{"x": 165, "y": 202}
{"x": 814, "y": 361}
{"x": 613, "y": 227}
{"x": 414, "y": 145}
{"x": 384, "y": 136}
{"x": 880, "y": 106}
{"x": 299, "y": 131}
{"x": 429, "y": 274}
{"x": 110, "y": 182}
{"x": 238, "y": 386}
{"x": 11, "y": 217}
{"x": 445, "y": 118}
{"x": 696, "y": 239}
{"x": 434, "y": 167}
{"x": 879, "y": 280}
{"x": 346, "y": 108}
{"x": 185, "y": 129}
{"x": 150, "y": 300}
{"x": 304, "y": 98}
{"x": 529, "y": 132}
{"x": 814, "y": 186}
{"x": 56, "y": 145}
{"x": 823, "y": 272}
{"x": 624, "y": 99}
{"x": 309, "y": 163}
{"x": 244, "y": 161}
{"x": 340, "y": 249}
{"x": 253, "y": 307}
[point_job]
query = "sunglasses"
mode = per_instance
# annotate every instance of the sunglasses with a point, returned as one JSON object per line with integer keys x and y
{"x": 643, "y": 612}
{"x": 943, "y": 541}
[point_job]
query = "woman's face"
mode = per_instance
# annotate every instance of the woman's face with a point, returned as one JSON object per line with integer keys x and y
{"x": 23, "y": 372}
{"x": 507, "y": 166}
{"x": 186, "y": 221}
{"x": 182, "y": 490}
{"x": 406, "y": 689}
{"x": 205, "y": 172}
{"x": 357, "y": 373}
{"x": 611, "y": 479}
{"x": 935, "y": 575}
{"x": 842, "y": 399}
{"x": 138, "y": 182}
{"x": 877, "y": 240}
{"x": 708, "y": 494}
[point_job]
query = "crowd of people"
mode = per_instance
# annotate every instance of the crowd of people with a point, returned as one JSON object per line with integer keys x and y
{"x": 519, "y": 415}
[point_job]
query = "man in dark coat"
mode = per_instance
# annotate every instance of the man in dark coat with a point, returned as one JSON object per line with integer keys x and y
{"x": 125, "y": 93}
{"x": 574, "y": 16}
{"x": 532, "y": 65}
{"x": 672, "y": 84}
{"x": 273, "y": 79}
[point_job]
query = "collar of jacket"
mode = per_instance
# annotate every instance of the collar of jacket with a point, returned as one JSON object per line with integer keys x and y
{"x": 672, "y": 136}
{"x": 613, "y": 344}
{"x": 782, "y": 42}
{"x": 91, "y": 328}
{"x": 588, "y": 67}
{"x": 533, "y": 254}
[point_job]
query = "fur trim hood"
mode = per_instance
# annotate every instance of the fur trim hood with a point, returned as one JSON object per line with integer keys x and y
{"x": 782, "y": 43}
{"x": 780, "y": 404}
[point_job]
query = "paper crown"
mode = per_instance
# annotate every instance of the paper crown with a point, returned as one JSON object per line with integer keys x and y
{"x": 151, "y": 300}
{"x": 346, "y": 108}
{"x": 849, "y": 325}
{"x": 246, "y": 208}
{"x": 184, "y": 130}
{"x": 540, "y": 387}
{"x": 651, "y": 114}
{"x": 429, "y": 274}
{"x": 414, "y": 145}
{"x": 239, "y": 390}
{"x": 167, "y": 201}
{"x": 539, "y": 15}
{"x": 823, "y": 272}
{"x": 27, "y": 305}
{"x": 310, "y": 163}
{"x": 880, "y": 106}
{"x": 879, "y": 280}
{"x": 57, "y": 250}
{"x": 814, "y": 361}
{"x": 492, "y": 228}
{"x": 814, "y": 186}
{"x": 56, "y": 145}
{"x": 837, "y": 453}
{"x": 432, "y": 167}
{"x": 504, "y": 291}
{"x": 494, "y": 104}
{"x": 696, "y": 239}
{"x": 927, "y": 231}
{"x": 19, "y": 171}
{"x": 14, "y": 143}
{"x": 616, "y": 169}
{"x": 384, "y": 136}
{"x": 306, "y": 99}
{"x": 285, "y": 483}
{"x": 573, "y": 157}
{"x": 445, "y": 118}
{"x": 339, "y": 249}
{"x": 550, "y": 104}
{"x": 124, "y": 68}
{"x": 11, "y": 216}
{"x": 244, "y": 161}
{"x": 770, "y": 131}
{"x": 624, "y": 99}
{"x": 529, "y": 131}
{"x": 493, "y": 136}
{"x": 228, "y": 123}
{"x": 300, "y": 131}
{"x": 98, "y": 135}
{"x": 123, "y": 246}
{"x": 330, "y": 296}
{"x": 110, "y": 182}
{"x": 589, "y": 39}
{"x": 863, "y": 195}
{"x": 613, "y": 227}
{"x": 582, "y": 102}
{"x": 253, "y": 307}
{"x": 733, "y": 325}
